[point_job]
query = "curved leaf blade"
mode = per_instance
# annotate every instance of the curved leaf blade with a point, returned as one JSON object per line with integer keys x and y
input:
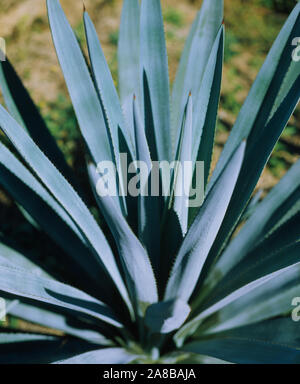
{"x": 23, "y": 109}
{"x": 23, "y": 284}
{"x": 154, "y": 63}
{"x": 12, "y": 258}
{"x": 129, "y": 57}
{"x": 257, "y": 108}
{"x": 148, "y": 206}
{"x": 207, "y": 105}
{"x": 105, "y": 85}
{"x": 81, "y": 88}
{"x": 101, "y": 356}
{"x": 66, "y": 195}
{"x": 14, "y": 166}
{"x": 262, "y": 299}
{"x": 203, "y": 231}
{"x": 257, "y": 264}
{"x": 52, "y": 218}
{"x": 26, "y": 349}
{"x": 134, "y": 258}
{"x": 56, "y": 321}
{"x": 256, "y": 157}
{"x": 184, "y": 154}
{"x": 255, "y": 226}
{"x": 195, "y": 60}
{"x": 274, "y": 341}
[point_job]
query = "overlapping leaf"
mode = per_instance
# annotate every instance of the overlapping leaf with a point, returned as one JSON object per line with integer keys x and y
{"x": 23, "y": 109}
{"x": 273, "y": 341}
{"x": 200, "y": 237}
{"x": 154, "y": 64}
{"x": 257, "y": 154}
{"x": 194, "y": 61}
{"x": 129, "y": 57}
{"x": 57, "y": 321}
{"x": 102, "y": 356}
{"x": 133, "y": 255}
{"x": 148, "y": 205}
{"x": 267, "y": 86}
{"x": 65, "y": 194}
{"x": 26, "y": 348}
{"x": 81, "y": 88}
{"x": 267, "y": 297}
{"x": 273, "y": 205}
{"x": 24, "y": 284}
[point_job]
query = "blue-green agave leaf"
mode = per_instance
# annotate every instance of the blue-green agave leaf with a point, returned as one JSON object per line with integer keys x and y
{"x": 101, "y": 356}
{"x": 148, "y": 206}
{"x": 258, "y": 263}
{"x": 28, "y": 217}
{"x": 201, "y": 235}
{"x": 207, "y": 106}
{"x": 80, "y": 85}
{"x": 290, "y": 210}
{"x": 175, "y": 218}
{"x": 23, "y": 109}
{"x": 154, "y": 64}
{"x": 134, "y": 258}
{"x": 179, "y": 201}
{"x": 259, "y": 300}
{"x": 195, "y": 61}
{"x": 143, "y": 153}
{"x": 257, "y": 108}
{"x": 53, "y": 219}
{"x": 14, "y": 166}
{"x": 273, "y": 341}
{"x": 9, "y": 338}
{"x": 253, "y": 229}
{"x": 256, "y": 157}
{"x": 179, "y": 81}
{"x": 291, "y": 76}
{"x": 66, "y": 195}
{"x": 12, "y": 258}
{"x": 56, "y": 321}
{"x": 277, "y": 250}
{"x": 166, "y": 316}
{"x": 27, "y": 285}
{"x": 109, "y": 98}
{"x": 106, "y": 88}
{"x": 129, "y": 57}
{"x": 194, "y": 358}
{"x": 252, "y": 205}
{"x": 26, "y": 348}
{"x": 286, "y": 234}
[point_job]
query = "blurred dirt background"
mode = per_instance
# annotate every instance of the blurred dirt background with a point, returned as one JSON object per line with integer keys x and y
{"x": 251, "y": 28}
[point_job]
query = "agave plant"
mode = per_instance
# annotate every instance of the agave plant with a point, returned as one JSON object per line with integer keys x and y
{"x": 157, "y": 281}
